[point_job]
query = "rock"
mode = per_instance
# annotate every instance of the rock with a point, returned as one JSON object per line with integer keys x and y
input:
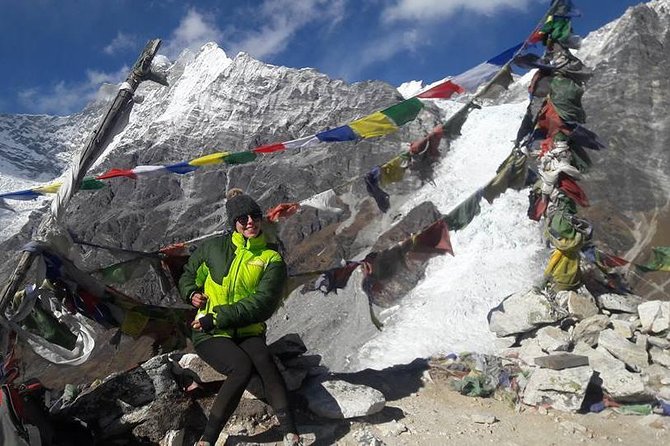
{"x": 635, "y": 356}
{"x": 623, "y": 328}
{"x": 626, "y": 303}
{"x": 619, "y": 383}
{"x": 552, "y": 339}
{"x": 563, "y": 390}
{"x": 562, "y": 361}
{"x": 521, "y": 312}
{"x": 364, "y": 437}
{"x": 202, "y": 372}
{"x": 483, "y": 418}
{"x": 342, "y": 400}
{"x": 659, "y": 356}
{"x": 656, "y": 376}
{"x": 320, "y": 319}
{"x": 661, "y": 343}
{"x": 589, "y": 329}
{"x": 579, "y": 305}
{"x": 145, "y": 401}
{"x": 655, "y": 316}
{"x": 392, "y": 428}
{"x": 642, "y": 340}
{"x": 527, "y": 352}
{"x": 288, "y": 346}
{"x": 504, "y": 342}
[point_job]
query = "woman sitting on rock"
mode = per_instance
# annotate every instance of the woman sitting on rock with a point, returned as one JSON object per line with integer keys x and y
{"x": 236, "y": 282}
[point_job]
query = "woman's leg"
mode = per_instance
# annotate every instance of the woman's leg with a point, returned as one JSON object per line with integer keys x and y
{"x": 225, "y": 357}
{"x": 275, "y": 389}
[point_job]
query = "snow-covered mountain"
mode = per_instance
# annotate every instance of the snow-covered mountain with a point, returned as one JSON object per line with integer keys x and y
{"x": 215, "y": 103}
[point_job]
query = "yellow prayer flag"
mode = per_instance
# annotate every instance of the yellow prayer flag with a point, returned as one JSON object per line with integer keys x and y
{"x": 376, "y": 124}
{"x": 48, "y": 189}
{"x": 134, "y": 323}
{"x": 212, "y": 158}
{"x": 393, "y": 171}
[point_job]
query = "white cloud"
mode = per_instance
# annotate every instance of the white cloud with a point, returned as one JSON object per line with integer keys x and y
{"x": 389, "y": 46}
{"x": 376, "y": 51}
{"x": 194, "y": 30}
{"x": 284, "y": 18}
{"x": 64, "y": 98}
{"x": 441, "y": 9}
{"x": 121, "y": 42}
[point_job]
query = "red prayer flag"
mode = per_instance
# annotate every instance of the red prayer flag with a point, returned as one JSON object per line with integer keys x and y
{"x": 445, "y": 90}
{"x": 113, "y": 173}
{"x": 282, "y": 210}
{"x": 573, "y": 190}
{"x": 270, "y": 148}
{"x": 435, "y": 238}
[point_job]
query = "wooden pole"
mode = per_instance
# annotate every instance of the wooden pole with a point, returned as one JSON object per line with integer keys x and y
{"x": 100, "y": 137}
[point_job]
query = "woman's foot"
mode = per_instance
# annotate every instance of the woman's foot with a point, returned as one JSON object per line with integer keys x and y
{"x": 202, "y": 443}
{"x": 292, "y": 440}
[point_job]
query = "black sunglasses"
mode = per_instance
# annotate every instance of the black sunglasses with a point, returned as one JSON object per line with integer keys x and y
{"x": 243, "y": 219}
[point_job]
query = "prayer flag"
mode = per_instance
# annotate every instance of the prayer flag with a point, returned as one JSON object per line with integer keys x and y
{"x": 212, "y": 158}
{"x": 470, "y": 80}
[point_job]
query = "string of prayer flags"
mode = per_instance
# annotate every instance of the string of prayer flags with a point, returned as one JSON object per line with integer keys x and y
{"x": 470, "y": 80}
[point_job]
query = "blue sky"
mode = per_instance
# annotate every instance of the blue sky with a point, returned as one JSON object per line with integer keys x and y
{"x": 54, "y": 54}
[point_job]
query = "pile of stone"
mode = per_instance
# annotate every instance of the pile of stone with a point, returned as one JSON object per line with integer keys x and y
{"x": 580, "y": 352}
{"x": 167, "y": 399}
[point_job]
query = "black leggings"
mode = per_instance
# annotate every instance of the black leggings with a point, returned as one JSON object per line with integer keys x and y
{"x": 238, "y": 359}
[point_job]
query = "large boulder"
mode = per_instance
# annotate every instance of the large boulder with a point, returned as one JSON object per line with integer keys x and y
{"x": 561, "y": 389}
{"x": 529, "y": 350}
{"x": 634, "y": 355}
{"x": 143, "y": 403}
{"x": 553, "y": 339}
{"x": 320, "y": 319}
{"x": 522, "y": 312}
{"x": 625, "y": 303}
{"x": 337, "y": 399}
{"x": 618, "y": 382}
{"x": 588, "y": 330}
{"x": 580, "y": 305}
{"x": 655, "y": 316}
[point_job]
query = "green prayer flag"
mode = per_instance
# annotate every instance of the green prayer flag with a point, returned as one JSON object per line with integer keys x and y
{"x": 45, "y": 325}
{"x": 659, "y": 262}
{"x": 240, "y": 158}
{"x": 465, "y": 212}
{"x": 404, "y": 112}
{"x": 90, "y": 183}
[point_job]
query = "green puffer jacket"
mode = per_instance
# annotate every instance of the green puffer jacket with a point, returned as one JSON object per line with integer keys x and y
{"x": 243, "y": 280}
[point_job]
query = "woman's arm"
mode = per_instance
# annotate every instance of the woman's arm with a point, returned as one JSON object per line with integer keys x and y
{"x": 259, "y": 306}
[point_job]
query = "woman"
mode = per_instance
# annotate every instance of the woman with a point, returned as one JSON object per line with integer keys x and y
{"x": 235, "y": 281}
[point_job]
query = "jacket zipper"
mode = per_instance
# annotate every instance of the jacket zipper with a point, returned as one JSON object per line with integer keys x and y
{"x": 237, "y": 270}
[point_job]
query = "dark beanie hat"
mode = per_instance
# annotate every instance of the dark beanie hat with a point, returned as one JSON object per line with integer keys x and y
{"x": 240, "y": 205}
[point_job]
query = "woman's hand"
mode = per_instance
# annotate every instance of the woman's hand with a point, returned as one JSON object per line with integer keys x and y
{"x": 199, "y": 300}
{"x": 204, "y": 323}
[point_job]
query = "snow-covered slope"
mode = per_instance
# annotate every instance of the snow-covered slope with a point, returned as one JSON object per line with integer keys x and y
{"x": 499, "y": 253}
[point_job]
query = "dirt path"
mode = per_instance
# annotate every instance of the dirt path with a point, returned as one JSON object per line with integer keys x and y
{"x": 437, "y": 415}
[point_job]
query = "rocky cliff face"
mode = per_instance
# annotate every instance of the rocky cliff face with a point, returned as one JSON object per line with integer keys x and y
{"x": 626, "y": 103}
